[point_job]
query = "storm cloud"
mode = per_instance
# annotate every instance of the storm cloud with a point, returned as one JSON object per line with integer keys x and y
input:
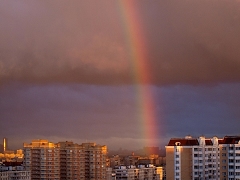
{"x": 86, "y": 41}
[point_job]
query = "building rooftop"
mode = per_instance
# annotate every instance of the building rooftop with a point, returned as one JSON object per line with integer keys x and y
{"x": 229, "y": 140}
{"x": 183, "y": 142}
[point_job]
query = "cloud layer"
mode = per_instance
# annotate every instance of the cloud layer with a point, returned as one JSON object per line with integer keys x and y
{"x": 86, "y": 42}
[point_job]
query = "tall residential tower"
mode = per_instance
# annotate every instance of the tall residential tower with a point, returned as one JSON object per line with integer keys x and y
{"x": 65, "y": 160}
{"x": 203, "y": 158}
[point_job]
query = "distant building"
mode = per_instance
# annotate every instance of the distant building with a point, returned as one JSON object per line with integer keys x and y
{"x": 65, "y": 160}
{"x": 13, "y": 170}
{"x": 110, "y": 175}
{"x": 130, "y": 160}
{"x": 151, "y": 150}
{"x": 5, "y": 144}
{"x": 142, "y": 172}
{"x": 203, "y": 158}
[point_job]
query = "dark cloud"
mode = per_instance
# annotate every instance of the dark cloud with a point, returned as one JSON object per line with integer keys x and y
{"x": 85, "y": 42}
{"x": 111, "y": 114}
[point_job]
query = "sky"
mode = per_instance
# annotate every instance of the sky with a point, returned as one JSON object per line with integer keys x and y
{"x": 126, "y": 74}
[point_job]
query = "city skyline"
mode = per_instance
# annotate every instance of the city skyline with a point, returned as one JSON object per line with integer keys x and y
{"x": 125, "y": 74}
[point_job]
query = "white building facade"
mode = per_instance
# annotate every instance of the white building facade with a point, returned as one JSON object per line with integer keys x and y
{"x": 203, "y": 158}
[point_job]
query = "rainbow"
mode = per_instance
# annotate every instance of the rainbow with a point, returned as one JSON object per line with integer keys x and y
{"x": 141, "y": 72}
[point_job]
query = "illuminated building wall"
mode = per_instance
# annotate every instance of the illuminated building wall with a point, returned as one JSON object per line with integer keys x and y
{"x": 5, "y": 144}
{"x": 71, "y": 161}
{"x": 65, "y": 160}
{"x": 41, "y": 158}
{"x": 95, "y": 161}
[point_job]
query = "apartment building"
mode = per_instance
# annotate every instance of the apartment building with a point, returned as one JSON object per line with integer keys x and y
{"x": 203, "y": 159}
{"x": 41, "y": 158}
{"x": 20, "y": 175}
{"x": 230, "y": 158}
{"x": 65, "y": 160}
{"x": 95, "y": 161}
{"x": 193, "y": 159}
{"x": 141, "y": 172}
{"x": 13, "y": 172}
{"x": 71, "y": 161}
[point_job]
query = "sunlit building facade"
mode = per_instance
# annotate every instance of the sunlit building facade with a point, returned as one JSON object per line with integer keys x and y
{"x": 42, "y": 159}
{"x": 5, "y": 144}
{"x": 65, "y": 160}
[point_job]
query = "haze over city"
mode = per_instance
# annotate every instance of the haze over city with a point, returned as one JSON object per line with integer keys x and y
{"x": 127, "y": 74}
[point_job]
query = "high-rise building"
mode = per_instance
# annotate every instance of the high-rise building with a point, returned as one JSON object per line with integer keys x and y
{"x": 71, "y": 161}
{"x": 202, "y": 158}
{"x": 192, "y": 159}
{"x": 230, "y": 158}
{"x": 95, "y": 161}
{"x": 41, "y": 158}
{"x": 65, "y": 160}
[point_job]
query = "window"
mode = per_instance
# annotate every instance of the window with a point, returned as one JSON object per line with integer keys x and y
{"x": 195, "y": 167}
